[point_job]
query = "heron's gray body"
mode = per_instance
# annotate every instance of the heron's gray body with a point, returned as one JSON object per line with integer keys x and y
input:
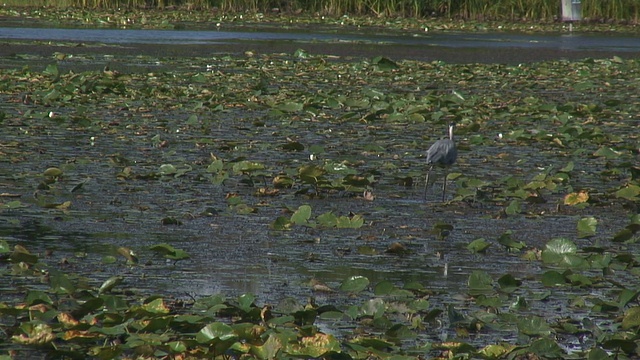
{"x": 442, "y": 152}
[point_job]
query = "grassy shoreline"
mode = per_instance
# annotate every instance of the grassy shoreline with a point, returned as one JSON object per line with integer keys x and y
{"x": 214, "y": 18}
{"x": 627, "y": 11}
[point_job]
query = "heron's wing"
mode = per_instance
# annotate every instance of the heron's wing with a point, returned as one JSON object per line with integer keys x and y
{"x": 442, "y": 152}
{"x": 452, "y": 155}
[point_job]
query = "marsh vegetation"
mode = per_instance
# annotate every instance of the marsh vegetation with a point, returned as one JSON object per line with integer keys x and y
{"x": 270, "y": 205}
{"x": 536, "y": 10}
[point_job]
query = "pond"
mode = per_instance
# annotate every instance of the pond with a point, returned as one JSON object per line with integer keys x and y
{"x": 567, "y": 41}
{"x": 189, "y": 151}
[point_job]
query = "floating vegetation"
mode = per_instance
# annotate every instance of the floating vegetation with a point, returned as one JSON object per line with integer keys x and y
{"x": 72, "y": 319}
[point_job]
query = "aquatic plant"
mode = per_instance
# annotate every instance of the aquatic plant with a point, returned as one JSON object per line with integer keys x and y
{"x": 74, "y": 319}
{"x": 179, "y": 168}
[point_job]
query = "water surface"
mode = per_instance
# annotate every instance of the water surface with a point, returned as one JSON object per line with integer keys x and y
{"x": 564, "y": 41}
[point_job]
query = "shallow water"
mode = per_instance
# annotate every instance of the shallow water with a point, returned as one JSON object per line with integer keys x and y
{"x": 560, "y": 41}
{"x": 239, "y": 253}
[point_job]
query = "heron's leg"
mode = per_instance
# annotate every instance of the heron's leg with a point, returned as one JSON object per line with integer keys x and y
{"x": 444, "y": 185}
{"x": 426, "y": 182}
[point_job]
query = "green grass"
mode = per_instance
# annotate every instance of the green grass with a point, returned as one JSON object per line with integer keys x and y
{"x": 531, "y": 10}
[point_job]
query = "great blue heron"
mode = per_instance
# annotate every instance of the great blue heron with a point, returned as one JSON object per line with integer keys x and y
{"x": 443, "y": 152}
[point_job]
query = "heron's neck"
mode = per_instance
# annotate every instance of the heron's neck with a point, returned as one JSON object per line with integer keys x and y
{"x": 451, "y": 133}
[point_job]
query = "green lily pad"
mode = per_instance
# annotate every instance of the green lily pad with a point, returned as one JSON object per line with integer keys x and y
{"x": 553, "y": 278}
{"x": 480, "y": 283}
{"x": 169, "y": 252}
{"x": 20, "y": 254}
{"x": 354, "y": 284}
{"x": 383, "y": 288}
{"x": 110, "y": 283}
{"x": 496, "y": 351}
{"x": 350, "y": 222}
{"x": 506, "y": 240}
{"x": 52, "y": 69}
{"x": 631, "y": 318}
{"x": 301, "y": 53}
{"x": 302, "y": 215}
{"x": 478, "y": 245}
{"x": 170, "y": 221}
{"x": 327, "y": 219}
{"x": 515, "y": 207}
{"x": 4, "y": 247}
{"x": 587, "y": 227}
{"x": 167, "y": 169}
{"x": 290, "y": 106}
{"x": 53, "y": 172}
{"x": 60, "y": 282}
{"x": 383, "y": 63}
{"x": 374, "y": 307}
{"x": 314, "y": 346}
{"x": 281, "y": 223}
{"x": 627, "y": 346}
{"x": 534, "y": 325}
{"x": 508, "y": 283}
{"x": 128, "y": 254}
{"x": 269, "y": 349}
{"x": 629, "y": 192}
{"x": 607, "y": 153}
{"x": 15, "y": 204}
{"x": 311, "y": 173}
{"x": 579, "y": 280}
{"x": 215, "y": 331}
{"x": 293, "y": 146}
{"x": 563, "y": 252}
{"x": 246, "y": 166}
{"x": 35, "y": 297}
{"x": 546, "y": 348}
{"x": 366, "y": 343}
{"x": 623, "y": 235}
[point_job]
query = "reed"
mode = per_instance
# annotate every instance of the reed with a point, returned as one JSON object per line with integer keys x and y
{"x": 627, "y": 10}
{"x": 531, "y": 10}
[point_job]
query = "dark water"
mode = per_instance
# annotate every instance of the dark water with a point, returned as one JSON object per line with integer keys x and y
{"x": 560, "y": 41}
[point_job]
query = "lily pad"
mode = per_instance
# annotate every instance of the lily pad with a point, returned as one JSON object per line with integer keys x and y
{"x": 354, "y": 284}
{"x": 170, "y": 252}
{"x": 563, "y": 252}
{"x": 631, "y": 318}
{"x": 478, "y": 245}
{"x": 53, "y": 172}
{"x": 383, "y": 63}
{"x": 630, "y": 192}
{"x": 215, "y": 331}
{"x": 534, "y": 325}
{"x": 302, "y": 215}
{"x": 290, "y": 106}
{"x": 480, "y": 283}
{"x": 576, "y": 198}
{"x": 587, "y": 227}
